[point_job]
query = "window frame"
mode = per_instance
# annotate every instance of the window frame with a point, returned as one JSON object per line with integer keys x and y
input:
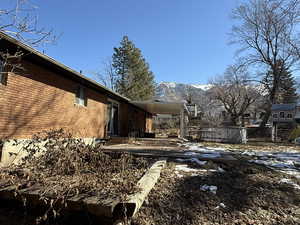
{"x": 280, "y": 115}
{"x": 111, "y": 103}
{"x": 3, "y": 73}
{"x": 80, "y": 96}
{"x": 275, "y": 115}
{"x": 289, "y": 116}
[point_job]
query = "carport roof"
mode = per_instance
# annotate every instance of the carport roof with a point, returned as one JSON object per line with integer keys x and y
{"x": 283, "y": 107}
{"x": 160, "y": 107}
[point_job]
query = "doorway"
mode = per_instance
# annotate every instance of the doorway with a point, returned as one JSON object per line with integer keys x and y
{"x": 113, "y": 118}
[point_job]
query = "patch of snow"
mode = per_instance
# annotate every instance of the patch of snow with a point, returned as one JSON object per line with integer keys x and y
{"x": 191, "y": 153}
{"x": 274, "y": 163}
{"x": 249, "y": 153}
{"x": 221, "y": 170}
{"x": 195, "y": 160}
{"x": 292, "y": 172}
{"x": 288, "y": 160}
{"x": 185, "y": 168}
{"x": 199, "y": 162}
{"x": 211, "y": 155}
{"x": 216, "y": 149}
{"x": 290, "y": 182}
{"x": 195, "y": 148}
{"x": 221, "y": 205}
{"x": 169, "y": 84}
{"x": 210, "y": 188}
{"x": 178, "y": 174}
{"x": 203, "y": 87}
{"x": 181, "y": 160}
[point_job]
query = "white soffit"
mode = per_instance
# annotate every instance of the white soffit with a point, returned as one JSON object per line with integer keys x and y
{"x": 160, "y": 107}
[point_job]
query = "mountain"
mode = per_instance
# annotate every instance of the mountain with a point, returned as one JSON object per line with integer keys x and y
{"x": 171, "y": 91}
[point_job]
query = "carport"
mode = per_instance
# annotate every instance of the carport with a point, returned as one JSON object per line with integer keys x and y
{"x": 161, "y": 107}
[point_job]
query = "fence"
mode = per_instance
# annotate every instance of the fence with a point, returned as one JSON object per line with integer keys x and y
{"x": 224, "y": 134}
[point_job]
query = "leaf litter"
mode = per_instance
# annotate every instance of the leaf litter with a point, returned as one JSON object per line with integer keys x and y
{"x": 242, "y": 193}
{"x": 66, "y": 167}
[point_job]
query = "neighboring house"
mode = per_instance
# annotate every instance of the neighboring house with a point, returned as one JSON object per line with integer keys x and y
{"x": 46, "y": 94}
{"x": 284, "y": 118}
{"x": 283, "y": 113}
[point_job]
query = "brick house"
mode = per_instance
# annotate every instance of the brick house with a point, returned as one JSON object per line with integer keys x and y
{"x": 46, "y": 94}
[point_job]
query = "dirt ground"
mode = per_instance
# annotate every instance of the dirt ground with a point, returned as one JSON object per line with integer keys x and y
{"x": 246, "y": 194}
{"x": 191, "y": 191}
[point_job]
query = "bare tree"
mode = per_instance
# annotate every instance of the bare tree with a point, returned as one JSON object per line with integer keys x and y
{"x": 20, "y": 20}
{"x": 266, "y": 31}
{"x": 234, "y": 91}
{"x": 211, "y": 111}
{"x": 107, "y": 76}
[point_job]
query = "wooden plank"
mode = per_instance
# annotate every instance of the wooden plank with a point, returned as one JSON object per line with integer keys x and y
{"x": 145, "y": 184}
{"x": 100, "y": 207}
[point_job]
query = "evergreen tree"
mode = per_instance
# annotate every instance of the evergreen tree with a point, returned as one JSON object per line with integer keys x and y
{"x": 287, "y": 90}
{"x": 134, "y": 78}
{"x": 284, "y": 87}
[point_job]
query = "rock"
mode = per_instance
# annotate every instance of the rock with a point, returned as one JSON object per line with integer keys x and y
{"x": 297, "y": 141}
{"x": 297, "y": 213}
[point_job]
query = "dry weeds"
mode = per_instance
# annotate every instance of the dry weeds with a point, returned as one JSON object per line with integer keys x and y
{"x": 67, "y": 167}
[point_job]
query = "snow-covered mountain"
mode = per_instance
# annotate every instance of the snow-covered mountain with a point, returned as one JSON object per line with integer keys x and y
{"x": 203, "y": 87}
{"x": 171, "y": 91}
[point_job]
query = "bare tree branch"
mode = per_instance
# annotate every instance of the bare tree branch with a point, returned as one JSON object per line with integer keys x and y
{"x": 20, "y": 20}
{"x": 234, "y": 91}
{"x": 266, "y": 35}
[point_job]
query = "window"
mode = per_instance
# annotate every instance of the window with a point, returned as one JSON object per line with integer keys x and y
{"x": 81, "y": 98}
{"x": 3, "y": 74}
{"x": 281, "y": 114}
{"x": 275, "y": 115}
{"x": 247, "y": 115}
{"x": 289, "y": 115}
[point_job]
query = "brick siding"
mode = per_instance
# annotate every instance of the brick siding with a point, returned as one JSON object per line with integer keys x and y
{"x": 37, "y": 99}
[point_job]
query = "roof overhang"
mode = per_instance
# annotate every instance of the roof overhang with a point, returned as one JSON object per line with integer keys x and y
{"x": 8, "y": 43}
{"x": 160, "y": 107}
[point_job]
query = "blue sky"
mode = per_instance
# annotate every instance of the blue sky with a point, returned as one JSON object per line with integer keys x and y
{"x": 183, "y": 40}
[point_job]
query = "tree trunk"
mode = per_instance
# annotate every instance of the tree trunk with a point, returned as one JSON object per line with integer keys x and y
{"x": 265, "y": 118}
{"x": 272, "y": 98}
{"x": 233, "y": 120}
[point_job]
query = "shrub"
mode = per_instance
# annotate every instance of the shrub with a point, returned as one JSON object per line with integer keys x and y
{"x": 294, "y": 134}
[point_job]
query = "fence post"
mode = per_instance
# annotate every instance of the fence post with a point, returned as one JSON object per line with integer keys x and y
{"x": 244, "y": 135}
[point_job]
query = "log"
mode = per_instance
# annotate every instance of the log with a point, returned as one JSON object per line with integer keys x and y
{"x": 130, "y": 207}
